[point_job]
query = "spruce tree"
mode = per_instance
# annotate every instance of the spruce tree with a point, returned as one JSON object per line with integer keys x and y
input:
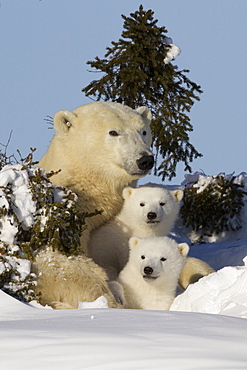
{"x": 134, "y": 74}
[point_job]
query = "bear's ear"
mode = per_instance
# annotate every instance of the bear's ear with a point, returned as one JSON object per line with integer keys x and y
{"x": 127, "y": 191}
{"x": 183, "y": 249}
{"x": 145, "y": 113}
{"x": 63, "y": 120}
{"x": 178, "y": 194}
{"x": 133, "y": 242}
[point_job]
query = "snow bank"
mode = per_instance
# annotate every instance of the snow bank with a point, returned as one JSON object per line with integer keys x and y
{"x": 109, "y": 339}
{"x": 223, "y": 292}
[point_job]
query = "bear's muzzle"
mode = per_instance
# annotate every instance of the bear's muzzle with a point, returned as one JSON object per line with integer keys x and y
{"x": 145, "y": 163}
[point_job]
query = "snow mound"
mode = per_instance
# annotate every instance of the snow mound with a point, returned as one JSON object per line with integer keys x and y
{"x": 223, "y": 292}
{"x": 108, "y": 339}
{"x": 100, "y": 302}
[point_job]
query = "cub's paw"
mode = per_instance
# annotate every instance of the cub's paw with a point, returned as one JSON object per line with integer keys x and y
{"x": 117, "y": 290}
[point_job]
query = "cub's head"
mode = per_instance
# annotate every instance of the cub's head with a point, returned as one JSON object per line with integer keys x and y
{"x": 157, "y": 259}
{"x": 106, "y": 137}
{"x": 152, "y": 205}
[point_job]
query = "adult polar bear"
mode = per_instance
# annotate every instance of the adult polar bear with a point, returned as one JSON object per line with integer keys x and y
{"x": 99, "y": 148}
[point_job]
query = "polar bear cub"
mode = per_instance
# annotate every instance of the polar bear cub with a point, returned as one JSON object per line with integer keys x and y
{"x": 148, "y": 211}
{"x": 150, "y": 278}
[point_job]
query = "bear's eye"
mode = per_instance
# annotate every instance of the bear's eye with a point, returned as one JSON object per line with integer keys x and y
{"x": 142, "y": 204}
{"x": 144, "y": 133}
{"x": 143, "y": 257}
{"x": 68, "y": 124}
{"x": 162, "y": 204}
{"x": 113, "y": 133}
{"x": 163, "y": 259}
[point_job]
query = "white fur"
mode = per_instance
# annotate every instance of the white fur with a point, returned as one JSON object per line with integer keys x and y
{"x": 97, "y": 148}
{"x": 148, "y": 211}
{"x": 150, "y": 278}
{"x": 194, "y": 269}
{"x": 64, "y": 282}
{"x": 108, "y": 245}
{"x": 95, "y": 164}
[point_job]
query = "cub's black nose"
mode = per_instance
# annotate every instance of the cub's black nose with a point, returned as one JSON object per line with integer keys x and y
{"x": 151, "y": 215}
{"x": 145, "y": 163}
{"x": 148, "y": 270}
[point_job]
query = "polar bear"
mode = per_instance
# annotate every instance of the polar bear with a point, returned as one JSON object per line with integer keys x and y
{"x": 193, "y": 270}
{"x": 150, "y": 278}
{"x": 64, "y": 282}
{"x": 98, "y": 149}
{"x": 149, "y": 210}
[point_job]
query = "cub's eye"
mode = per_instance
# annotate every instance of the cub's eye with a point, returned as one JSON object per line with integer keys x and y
{"x": 143, "y": 257}
{"x": 113, "y": 133}
{"x": 142, "y": 204}
{"x": 144, "y": 133}
{"x": 163, "y": 259}
{"x": 162, "y": 204}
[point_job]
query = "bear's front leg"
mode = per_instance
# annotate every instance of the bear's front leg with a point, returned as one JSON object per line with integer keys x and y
{"x": 117, "y": 290}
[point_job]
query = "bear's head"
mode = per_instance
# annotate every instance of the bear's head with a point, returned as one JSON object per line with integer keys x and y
{"x": 157, "y": 259}
{"x": 152, "y": 206}
{"x": 108, "y": 138}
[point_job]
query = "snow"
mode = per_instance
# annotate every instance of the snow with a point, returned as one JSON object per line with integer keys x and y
{"x": 22, "y": 265}
{"x": 23, "y": 204}
{"x": 172, "y": 53}
{"x": 173, "y": 50}
{"x": 223, "y": 292}
{"x": 206, "y": 327}
{"x": 108, "y": 339}
{"x": 100, "y": 302}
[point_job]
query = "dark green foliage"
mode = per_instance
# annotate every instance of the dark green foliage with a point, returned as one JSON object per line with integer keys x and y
{"x": 58, "y": 222}
{"x": 53, "y": 220}
{"x": 12, "y": 280}
{"x": 214, "y": 209}
{"x": 134, "y": 73}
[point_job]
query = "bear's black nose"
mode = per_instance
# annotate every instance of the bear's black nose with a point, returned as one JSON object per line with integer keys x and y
{"x": 151, "y": 215}
{"x": 148, "y": 270}
{"x": 145, "y": 163}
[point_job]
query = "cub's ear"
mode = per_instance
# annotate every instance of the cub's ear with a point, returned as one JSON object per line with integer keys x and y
{"x": 127, "y": 191}
{"x": 133, "y": 242}
{"x": 178, "y": 194}
{"x": 63, "y": 120}
{"x": 145, "y": 113}
{"x": 183, "y": 249}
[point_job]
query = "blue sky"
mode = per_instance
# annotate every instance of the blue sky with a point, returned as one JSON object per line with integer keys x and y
{"x": 45, "y": 46}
